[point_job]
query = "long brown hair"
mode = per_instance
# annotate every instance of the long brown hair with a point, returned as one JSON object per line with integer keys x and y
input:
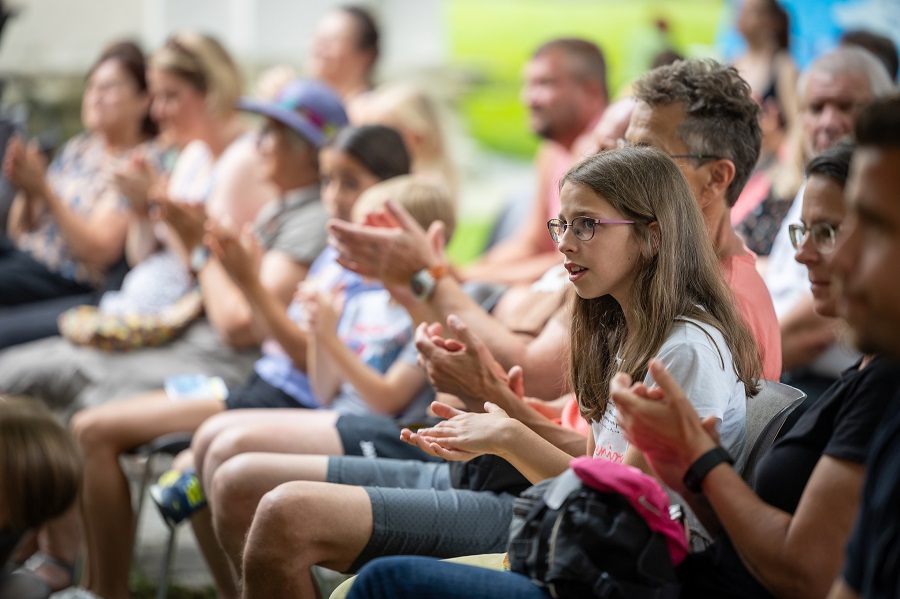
{"x": 40, "y": 464}
{"x": 678, "y": 277}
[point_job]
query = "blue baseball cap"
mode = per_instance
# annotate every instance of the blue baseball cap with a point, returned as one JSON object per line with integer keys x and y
{"x": 308, "y": 107}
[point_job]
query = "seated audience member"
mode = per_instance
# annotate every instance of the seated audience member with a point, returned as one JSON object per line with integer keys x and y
{"x": 356, "y": 159}
{"x": 415, "y": 115}
{"x": 883, "y": 48}
{"x": 865, "y": 265}
{"x": 68, "y": 222}
{"x": 807, "y": 484}
{"x": 345, "y": 48}
{"x": 831, "y": 90}
{"x": 40, "y": 472}
{"x": 637, "y": 200}
{"x": 219, "y": 172}
{"x": 565, "y": 93}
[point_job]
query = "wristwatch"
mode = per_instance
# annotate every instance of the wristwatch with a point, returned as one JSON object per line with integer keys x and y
{"x": 199, "y": 258}
{"x": 701, "y": 467}
{"x": 424, "y": 281}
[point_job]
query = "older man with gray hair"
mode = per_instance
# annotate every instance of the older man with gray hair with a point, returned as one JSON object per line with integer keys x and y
{"x": 830, "y": 91}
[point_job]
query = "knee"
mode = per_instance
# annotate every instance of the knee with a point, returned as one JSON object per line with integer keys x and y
{"x": 227, "y": 445}
{"x": 277, "y": 529}
{"x": 232, "y": 492}
{"x": 91, "y": 428}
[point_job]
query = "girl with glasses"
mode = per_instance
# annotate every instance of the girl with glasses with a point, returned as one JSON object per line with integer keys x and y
{"x": 647, "y": 284}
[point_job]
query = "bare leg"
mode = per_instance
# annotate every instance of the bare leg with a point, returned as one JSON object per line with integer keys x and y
{"x": 201, "y": 523}
{"x": 59, "y": 539}
{"x": 241, "y": 482}
{"x": 296, "y": 431}
{"x": 301, "y": 524}
{"x": 104, "y": 433}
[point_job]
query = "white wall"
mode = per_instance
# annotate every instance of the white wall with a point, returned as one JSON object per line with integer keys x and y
{"x": 58, "y": 37}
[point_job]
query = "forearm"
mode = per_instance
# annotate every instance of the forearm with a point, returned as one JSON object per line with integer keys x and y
{"x": 272, "y": 312}
{"x": 140, "y": 241}
{"x": 514, "y": 271}
{"x": 227, "y": 308}
{"x": 564, "y": 438}
{"x": 23, "y": 215}
{"x": 804, "y": 335}
{"x": 323, "y": 373}
{"x": 533, "y": 456}
{"x": 376, "y": 388}
{"x": 99, "y": 243}
{"x": 767, "y": 539}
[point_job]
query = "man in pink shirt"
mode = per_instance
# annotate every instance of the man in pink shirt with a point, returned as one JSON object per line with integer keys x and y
{"x": 565, "y": 93}
{"x": 701, "y": 113}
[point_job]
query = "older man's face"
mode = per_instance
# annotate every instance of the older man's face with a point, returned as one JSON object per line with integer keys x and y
{"x": 867, "y": 259}
{"x": 829, "y": 105}
{"x": 657, "y": 126}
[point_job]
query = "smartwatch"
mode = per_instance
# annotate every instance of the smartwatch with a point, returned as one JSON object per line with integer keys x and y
{"x": 701, "y": 467}
{"x": 424, "y": 281}
{"x": 199, "y": 258}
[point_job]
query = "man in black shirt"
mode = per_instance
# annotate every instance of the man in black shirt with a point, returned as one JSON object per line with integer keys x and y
{"x": 865, "y": 264}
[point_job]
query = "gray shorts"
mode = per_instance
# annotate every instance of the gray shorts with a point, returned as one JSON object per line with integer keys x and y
{"x": 415, "y": 511}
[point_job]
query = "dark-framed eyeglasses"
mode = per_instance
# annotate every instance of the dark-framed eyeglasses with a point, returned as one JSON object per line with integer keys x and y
{"x": 582, "y": 226}
{"x": 624, "y": 143}
{"x": 823, "y": 236}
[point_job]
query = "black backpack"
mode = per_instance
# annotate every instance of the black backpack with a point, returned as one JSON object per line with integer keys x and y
{"x": 576, "y": 542}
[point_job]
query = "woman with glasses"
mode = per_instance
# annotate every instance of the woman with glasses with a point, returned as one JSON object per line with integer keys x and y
{"x": 786, "y": 536}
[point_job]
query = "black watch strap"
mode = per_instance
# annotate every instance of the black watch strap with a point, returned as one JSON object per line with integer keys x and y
{"x": 701, "y": 467}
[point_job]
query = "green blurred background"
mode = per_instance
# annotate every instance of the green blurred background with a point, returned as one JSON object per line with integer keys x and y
{"x": 491, "y": 40}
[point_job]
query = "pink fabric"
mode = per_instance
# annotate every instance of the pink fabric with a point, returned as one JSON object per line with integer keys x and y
{"x": 755, "y": 305}
{"x": 571, "y": 418}
{"x": 643, "y": 492}
{"x": 755, "y": 192}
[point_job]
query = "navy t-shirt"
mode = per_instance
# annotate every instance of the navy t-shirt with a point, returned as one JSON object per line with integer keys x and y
{"x": 840, "y": 424}
{"x": 873, "y": 554}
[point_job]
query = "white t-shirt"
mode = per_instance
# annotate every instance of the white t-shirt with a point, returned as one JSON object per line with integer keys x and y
{"x": 699, "y": 360}
{"x": 785, "y": 277}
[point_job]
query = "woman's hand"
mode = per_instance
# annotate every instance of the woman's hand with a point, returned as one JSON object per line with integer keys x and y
{"x": 662, "y": 423}
{"x": 187, "y": 220}
{"x": 464, "y": 435}
{"x": 134, "y": 179}
{"x": 25, "y": 167}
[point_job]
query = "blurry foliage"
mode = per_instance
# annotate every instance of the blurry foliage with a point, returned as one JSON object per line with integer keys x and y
{"x": 491, "y": 40}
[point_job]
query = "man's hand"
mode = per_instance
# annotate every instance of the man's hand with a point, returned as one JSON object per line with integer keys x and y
{"x": 391, "y": 246}
{"x": 463, "y": 366}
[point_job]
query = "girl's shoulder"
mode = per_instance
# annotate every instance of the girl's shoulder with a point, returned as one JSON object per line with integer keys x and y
{"x": 697, "y": 337}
